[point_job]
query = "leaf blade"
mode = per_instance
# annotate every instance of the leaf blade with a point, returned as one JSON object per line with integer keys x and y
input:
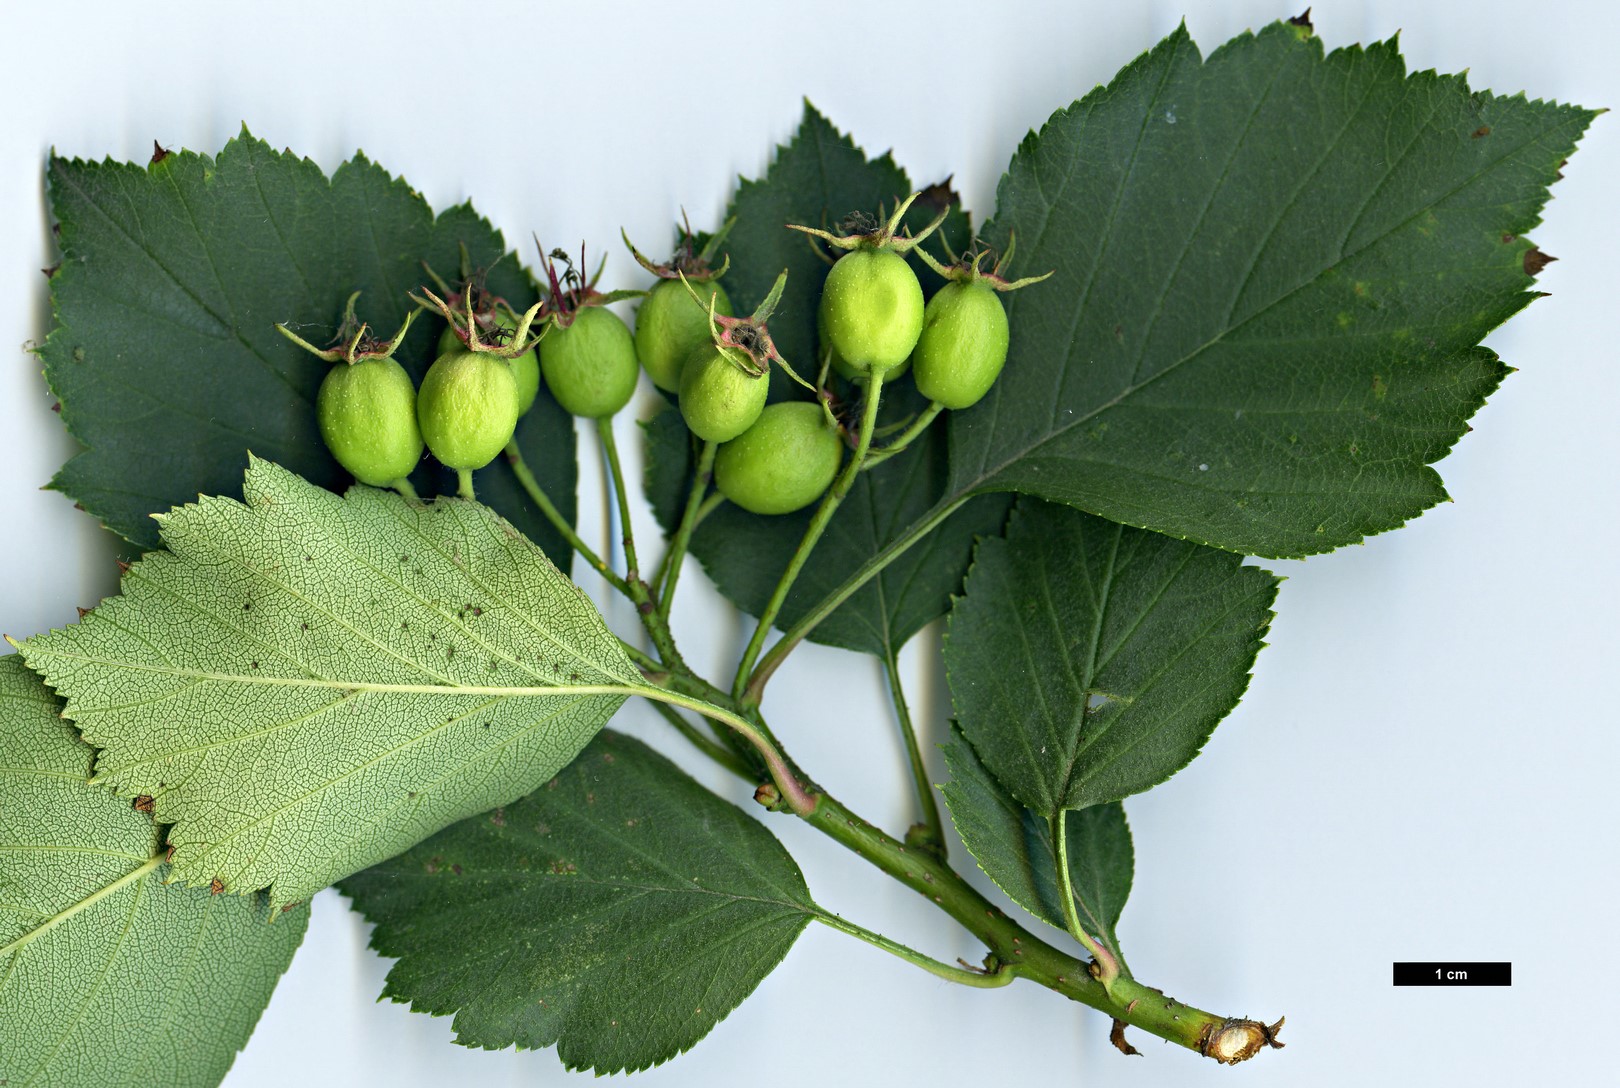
{"x": 1254, "y": 339}
{"x": 1013, "y": 846}
{"x": 1148, "y": 643}
{"x": 306, "y": 684}
{"x": 103, "y": 968}
{"x": 638, "y": 907}
{"x": 164, "y": 352}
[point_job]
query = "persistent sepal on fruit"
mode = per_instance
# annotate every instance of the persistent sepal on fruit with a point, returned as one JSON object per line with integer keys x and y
{"x": 871, "y": 310}
{"x": 589, "y": 358}
{"x": 783, "y": 463}
{"x": 366, "y": 406}
{"x": 672, "y": 322}
{"x": 724, "y": 381}
{"x": 963, "y": 345}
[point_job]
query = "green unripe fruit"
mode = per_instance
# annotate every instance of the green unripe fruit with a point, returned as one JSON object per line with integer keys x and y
{"x": 590, "y": 364}
{"x": 963, "y": 344}
{"x": 783, "y": 463}
{"x": 872, "y": 309}
{"x": 525, "y": 367}
{"x": 367, "y": 416}
{"x": 670, "y": 325}
{"x": 719, "y": 401}
{"x": 843, "y": 369}
{"x": 467, "y": 408}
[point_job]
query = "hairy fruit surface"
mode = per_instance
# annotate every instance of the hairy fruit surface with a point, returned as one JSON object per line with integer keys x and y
{"x": 367, "y": 416}
{"x": 590, "y": 363}
{"x": 467, "y": 408}
{"x": 872, "y": 310}
{"x": 783, "y": 463}
{"x": 670, "y": 325}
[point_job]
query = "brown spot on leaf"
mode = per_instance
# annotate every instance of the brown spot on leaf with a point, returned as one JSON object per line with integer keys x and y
{"x": 1117, "y": 1034}
{"x": 143, "y": 803}
{"x": 216, "y": 886}
{"x": 83, "y": 612}
{"x": 50, "y": 273}
{"x": 1482, "y": 130}
{"x": 454, "y": 868}
{"x": 159, "y": 152}
{"x": 1509, "y": 239}
{"x": 1535, "y": 260}
{"x": 938, "y": 196}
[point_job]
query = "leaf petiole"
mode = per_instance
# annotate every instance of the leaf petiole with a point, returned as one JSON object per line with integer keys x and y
{"x": 1001, "y": 975}
{"x": 865, "y": 573}
{"x": 926, "y": 803}
{"x": 1107, "y": 964}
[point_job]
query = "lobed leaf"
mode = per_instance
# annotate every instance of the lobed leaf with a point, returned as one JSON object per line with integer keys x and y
{"x": 1014, "y": 847}
{"x": 165, "y": 354}
{"x": 306, "y": 684}
{"x": 1089, "y": 661}
{"x": 108, "y": 975}
{"x": 618, "y": 914}
{"x": 1273, "y": 269}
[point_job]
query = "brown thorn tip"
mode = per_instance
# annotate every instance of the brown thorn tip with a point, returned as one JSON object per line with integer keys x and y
{"x": 1117, "y": 1036}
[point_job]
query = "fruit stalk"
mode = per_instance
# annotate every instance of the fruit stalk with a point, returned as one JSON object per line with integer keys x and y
{"x": 863, "y": 574}
{"x": 538, "y": 496}
{"x": 748, "y": 688}
{"x": 670, "y": 569}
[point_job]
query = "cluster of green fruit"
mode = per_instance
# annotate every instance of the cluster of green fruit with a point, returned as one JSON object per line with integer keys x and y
{"x": 770, "y": 459}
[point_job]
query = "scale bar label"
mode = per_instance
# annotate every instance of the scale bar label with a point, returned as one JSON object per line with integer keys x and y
{"x": 1454, "y": 973}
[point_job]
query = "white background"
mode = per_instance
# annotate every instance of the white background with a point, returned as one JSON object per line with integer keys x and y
{"x": 1424, "y": 766}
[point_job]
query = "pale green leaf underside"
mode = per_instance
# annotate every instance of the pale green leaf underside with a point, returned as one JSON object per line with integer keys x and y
{"x": 1089, "y": 661}
{"x": 307, "y": 684}
{"x": 1014, "y": 847}
{"x": 107, "y": 976}
{"x": 1272, "y": 272}
{"x": 619, "y": 913}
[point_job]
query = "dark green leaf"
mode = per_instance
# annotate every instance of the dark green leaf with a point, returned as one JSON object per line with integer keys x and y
{"x": 816, "y": 180}
{"x": 165, "y": 354}
{"x": 1088, "y": 661}
{"x": 305, "y": 684}
{"x": 745, "y": 553}
{"x": 619, "y": 913}
{"x": 107, "y": 974}
{"x": 1014, "y": 847}
{"x": 1273, "y": 269}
